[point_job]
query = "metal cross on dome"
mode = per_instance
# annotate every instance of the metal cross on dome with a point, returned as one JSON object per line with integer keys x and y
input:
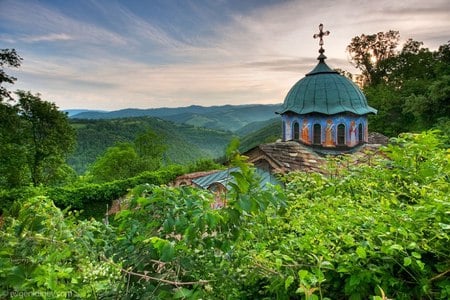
{"x": 320, "y": 35}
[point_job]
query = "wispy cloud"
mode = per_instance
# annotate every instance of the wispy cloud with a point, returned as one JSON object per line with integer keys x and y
{"x": 117, "y": 57}
{"x": 52, "y": 37}
{"x": 42, "y": 21}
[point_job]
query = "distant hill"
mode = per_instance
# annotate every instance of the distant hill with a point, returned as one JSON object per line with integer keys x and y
{"x": 74, "y": 112}
{"x": 186, "y": 143}
{"x": 226, "y": 117}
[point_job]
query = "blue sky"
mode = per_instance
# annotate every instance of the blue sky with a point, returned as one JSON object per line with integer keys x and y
{"x": 111, "y": 54}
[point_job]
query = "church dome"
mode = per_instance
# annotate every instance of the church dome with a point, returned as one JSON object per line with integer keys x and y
{"x": 325, "y": 91}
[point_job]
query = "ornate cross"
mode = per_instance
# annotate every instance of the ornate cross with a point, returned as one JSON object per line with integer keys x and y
{"x": 320, "y": 35}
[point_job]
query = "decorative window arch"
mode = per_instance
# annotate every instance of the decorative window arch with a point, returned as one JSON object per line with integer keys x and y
{"x": 360, "y": 133}
{"x": 317, "y": 134}
{"x": 341, "y": 134}
{"x": 296, "y": 129}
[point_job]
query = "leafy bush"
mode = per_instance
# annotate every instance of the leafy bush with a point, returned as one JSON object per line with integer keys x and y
{"x": 45, "y": 255}
{"x": 372, "y": 232}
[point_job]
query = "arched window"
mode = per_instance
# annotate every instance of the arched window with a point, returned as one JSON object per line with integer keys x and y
{"x": 341, "y": 134}
{"x": 284, "y": 131}
{"x": 317, "y": 134}
{"x": 296, "y": 131}
{"x": 360, "y": 133}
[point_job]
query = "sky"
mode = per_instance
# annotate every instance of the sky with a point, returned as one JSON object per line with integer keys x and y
{"x": 113, "y": 54}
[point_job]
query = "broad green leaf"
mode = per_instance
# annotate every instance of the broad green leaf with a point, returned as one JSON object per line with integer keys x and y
{"x": 289, "y": 280}
{"x": 407, "y": 261}
{"x": 361, "y": 252}
{"x": 182, "y": 293}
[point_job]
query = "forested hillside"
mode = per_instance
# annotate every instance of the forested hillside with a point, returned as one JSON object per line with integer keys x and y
{"x": 185, "y": 143}
{"x": 259, "y": 133}
{"x": 226, "y": 117}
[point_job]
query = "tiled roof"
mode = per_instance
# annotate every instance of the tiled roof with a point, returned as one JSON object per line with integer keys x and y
{"x": 290, "y": 156}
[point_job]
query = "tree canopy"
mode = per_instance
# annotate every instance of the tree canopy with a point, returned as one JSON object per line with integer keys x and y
{"x": 378, "y": 231}
{"x": 408, "y": 86}
{"x": 8, "y": 58}
{"x": 38, "y": 140}
{"x": 125, "y": 160}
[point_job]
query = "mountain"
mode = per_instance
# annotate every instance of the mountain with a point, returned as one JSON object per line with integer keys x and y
{"x": 226, "y": 117}
{"x": 186, "y": 143}
{"x": 73, "y": 112}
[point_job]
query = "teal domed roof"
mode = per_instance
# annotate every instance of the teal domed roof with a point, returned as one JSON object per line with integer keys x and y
{"x": 325, "y": 91}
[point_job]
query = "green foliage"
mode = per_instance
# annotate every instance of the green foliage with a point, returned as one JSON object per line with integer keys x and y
{"x": 270, "y": 132}
{"x": 219, "y": 118}
{"x": 46, "y": 255}
{"x": 367, "y": 51}
{"x": 95, "y": 136}
{"x": 373, "y": 231}
{"x": 36, "y": 141}
{"x": 408, "y": 87}
{"x": 174, "y": 244}
{"x": 203, "y": 165}
{"x": 118, "y": 162}
{"x": 384, "y": 225}
{"x": 85, "y": 195}
{"x": 125, "y": 160}
{"x": 9, "y": 58}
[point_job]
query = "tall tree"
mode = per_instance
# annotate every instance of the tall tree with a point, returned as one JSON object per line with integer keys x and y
{"x": 407, "y": 86}
{"x": 118, "y": 162}
{"x": 367, "y": 51}
{"x": 12, "y": 155}
{"x": 47, "y": 135}
{"x": 129, "y": 159}
{"x": 8, "y": 58}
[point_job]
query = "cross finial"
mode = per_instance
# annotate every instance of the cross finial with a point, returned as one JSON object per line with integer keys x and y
{"x": 320, "y": 35}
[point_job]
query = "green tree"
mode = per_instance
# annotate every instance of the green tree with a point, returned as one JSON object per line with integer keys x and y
{"x": 409, "y": 86}
{"x": 12, "y": 158}
{"x": 150, "y": 148}
{"x": 367, "y": 51}
{"x": 9, "y": 58}
{"x": 47, "y": 138}
{"x": 126, "y": 160}
{"x": 46, "y": 254}
{"x": 118, "y": 162}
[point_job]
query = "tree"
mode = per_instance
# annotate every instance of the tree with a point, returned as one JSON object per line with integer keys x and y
{"x": 150, "y": 148}
{"x": 10, "y": 58}
{"x": 126, "y": 160}
{"x": 366, "y": 51}
{"x": 13, "y": 170}
{"x": 11, "y": 154}
{"x": 118, "y": 162}
{"x": 408, "y": 86}
{"x": 47, "y": 138}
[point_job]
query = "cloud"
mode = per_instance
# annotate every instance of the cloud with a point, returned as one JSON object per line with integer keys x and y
{"x": 42, "y": 21}
{"x": 53, "y": 37}
{"x": 205, "y": 56}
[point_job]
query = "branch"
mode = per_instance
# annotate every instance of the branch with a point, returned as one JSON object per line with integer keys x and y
{"x": 146, "y": 277}
{"x": 440, "y": 275}
{"x": 175, "y": 283}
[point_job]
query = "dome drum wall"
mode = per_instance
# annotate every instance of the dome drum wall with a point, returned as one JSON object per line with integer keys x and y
{"x": 325, "y": 131}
